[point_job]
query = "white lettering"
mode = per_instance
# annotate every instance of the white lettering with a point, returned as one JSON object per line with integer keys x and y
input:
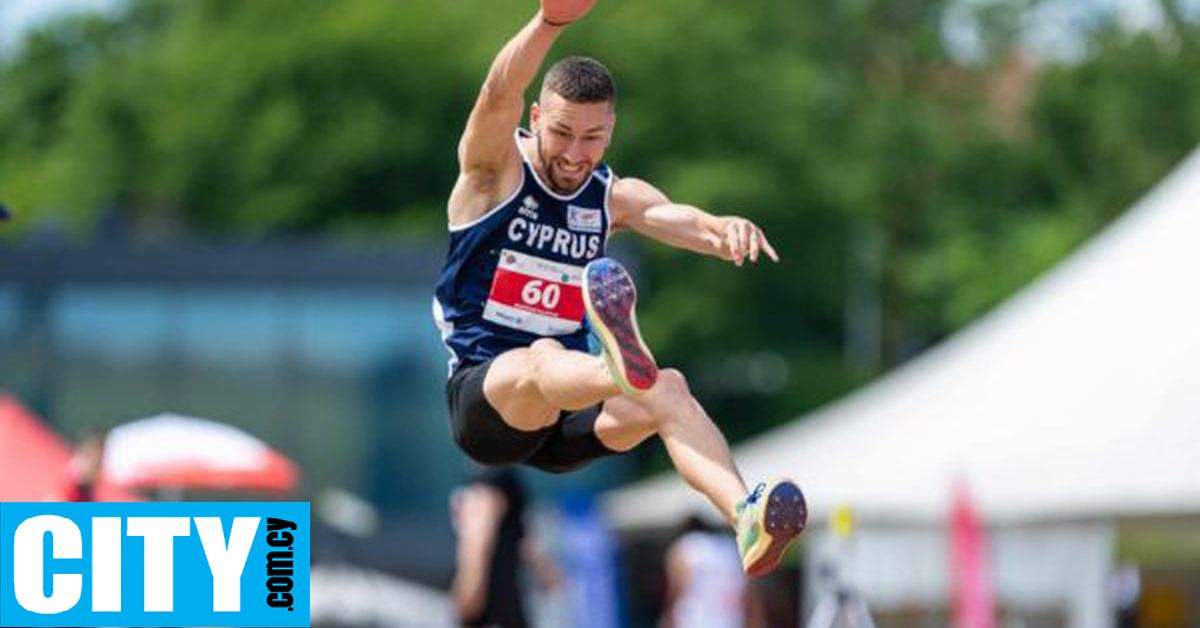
{"x": 547, "y": 233}
{"x": 106, "y": 564}
{"x": 514, "y": 229}
{"x": 531, "y": 292}
{"x": 227, "y": 563}
{"x": 562, "y": 242}
{"x": 551, "y": 295}
{"x": 534, "y": 230}
{"x": 65, "y": 542}
{"x": 160, "y": 533}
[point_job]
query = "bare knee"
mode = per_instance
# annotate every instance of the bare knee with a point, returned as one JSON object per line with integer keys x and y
{"x": 541, "y": 356}
{"x": 544, "y": 349}
{"x": 671, "y": 397}
{"x": 672, "y": 383}
{"x": 511, "y": 387}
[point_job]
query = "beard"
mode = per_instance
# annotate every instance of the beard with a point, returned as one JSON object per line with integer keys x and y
{"x": 557, "y": 181}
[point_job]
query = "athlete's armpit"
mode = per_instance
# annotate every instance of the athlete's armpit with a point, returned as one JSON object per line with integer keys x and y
{"x": 480, "y": 191}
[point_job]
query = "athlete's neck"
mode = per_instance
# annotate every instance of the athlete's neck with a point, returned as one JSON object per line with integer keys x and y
{"x": 529, "y": 144}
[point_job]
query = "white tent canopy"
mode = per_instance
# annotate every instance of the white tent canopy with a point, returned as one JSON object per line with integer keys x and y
{"x": 1078, "y": 398}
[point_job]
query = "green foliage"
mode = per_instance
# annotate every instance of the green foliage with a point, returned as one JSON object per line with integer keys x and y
{"x": 235, "y": 117}
{"x": 820, "y": 120}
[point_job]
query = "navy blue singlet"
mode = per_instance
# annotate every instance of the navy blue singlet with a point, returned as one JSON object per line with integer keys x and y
{"x": 515, "y": 274}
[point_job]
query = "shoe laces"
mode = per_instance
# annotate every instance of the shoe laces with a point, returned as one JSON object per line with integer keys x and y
{"x": 756, "y": 494}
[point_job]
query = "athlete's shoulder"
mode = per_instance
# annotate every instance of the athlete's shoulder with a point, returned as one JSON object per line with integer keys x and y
{"x": 637, "y": 191}
{"x": 631, "y": 196}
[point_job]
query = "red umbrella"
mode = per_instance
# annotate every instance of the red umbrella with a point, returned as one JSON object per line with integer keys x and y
{"x": 170, "y": 451}
{"x": 34, "y": 460}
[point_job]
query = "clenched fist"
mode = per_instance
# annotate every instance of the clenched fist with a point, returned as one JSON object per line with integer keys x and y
{"x": 562, "y": 12}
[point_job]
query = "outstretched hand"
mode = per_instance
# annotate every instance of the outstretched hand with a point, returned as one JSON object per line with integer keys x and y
{"x": 562, "y": 12}
{"x": 745, "y": 240}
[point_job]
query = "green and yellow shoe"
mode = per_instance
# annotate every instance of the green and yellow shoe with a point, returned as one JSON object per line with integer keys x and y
{"x": 768, "y": 520}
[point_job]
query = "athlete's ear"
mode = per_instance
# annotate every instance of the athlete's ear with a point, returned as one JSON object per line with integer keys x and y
{"x": 534, "y": 115}
{"x": 610, "y": 127}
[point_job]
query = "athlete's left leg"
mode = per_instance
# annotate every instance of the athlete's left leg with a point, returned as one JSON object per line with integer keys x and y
{"x": 766, "y": 520}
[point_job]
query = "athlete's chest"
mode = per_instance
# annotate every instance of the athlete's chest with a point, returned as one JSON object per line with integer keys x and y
{"x": 541, "y": 250}
{"x": 564, "y": 231}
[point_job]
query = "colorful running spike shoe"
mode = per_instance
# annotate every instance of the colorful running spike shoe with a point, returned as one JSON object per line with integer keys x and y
{"x": 609, "y": 297}
{"x": 768, "y": 520}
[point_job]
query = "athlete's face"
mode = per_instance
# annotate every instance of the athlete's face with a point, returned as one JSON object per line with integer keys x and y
{"x": 571, "y": 139}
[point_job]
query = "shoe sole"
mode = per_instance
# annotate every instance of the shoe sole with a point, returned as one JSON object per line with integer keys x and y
{"x": 786, "y": 516}
{"x": 609, "y": 298}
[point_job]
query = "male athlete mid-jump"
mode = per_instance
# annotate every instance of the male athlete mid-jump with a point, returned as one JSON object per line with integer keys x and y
{"x": 526, "y": 279}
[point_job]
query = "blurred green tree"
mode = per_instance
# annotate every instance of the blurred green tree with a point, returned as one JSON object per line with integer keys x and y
{"x": 907, "y": 189}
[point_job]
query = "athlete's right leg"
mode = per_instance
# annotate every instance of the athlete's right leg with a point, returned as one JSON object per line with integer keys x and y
{"x": 698, "y": 450}
{"x": 531, "y": 386}
{"x": 766, "y": 519}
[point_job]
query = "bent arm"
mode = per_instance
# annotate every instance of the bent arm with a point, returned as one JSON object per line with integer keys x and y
{"x": 640, "y": 206}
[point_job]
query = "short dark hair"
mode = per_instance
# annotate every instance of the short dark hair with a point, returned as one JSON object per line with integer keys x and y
{"x": 581, "y": 80}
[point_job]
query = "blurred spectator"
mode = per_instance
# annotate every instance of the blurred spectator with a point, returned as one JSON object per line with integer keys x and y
{"x": 1125, "y": 585}
{"x": 82, "y": 475}
{"x": 489, "y": 519}
{"x": 706, "y": 587}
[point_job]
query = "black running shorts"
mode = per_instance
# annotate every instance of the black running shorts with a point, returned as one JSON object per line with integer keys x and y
{"x": 483, "y": 435}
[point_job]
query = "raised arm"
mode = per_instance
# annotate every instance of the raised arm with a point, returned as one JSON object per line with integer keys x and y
{"x": 487, "y": 140}
{"x": 639, "y": 206}
{"x": 486, "y": 152}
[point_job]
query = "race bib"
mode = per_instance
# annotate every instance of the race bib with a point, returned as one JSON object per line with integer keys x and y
{"x": 536, "y": 295}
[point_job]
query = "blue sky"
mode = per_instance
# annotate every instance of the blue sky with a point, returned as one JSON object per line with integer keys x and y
{"x": 16, "y": 16}
{"x": 1053, "y": 30}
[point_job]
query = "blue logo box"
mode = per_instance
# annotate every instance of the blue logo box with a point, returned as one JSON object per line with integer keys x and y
{"x": 208, "y": 564}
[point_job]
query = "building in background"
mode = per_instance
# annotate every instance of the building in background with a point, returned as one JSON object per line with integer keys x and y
{"x": 329, "y": 355}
